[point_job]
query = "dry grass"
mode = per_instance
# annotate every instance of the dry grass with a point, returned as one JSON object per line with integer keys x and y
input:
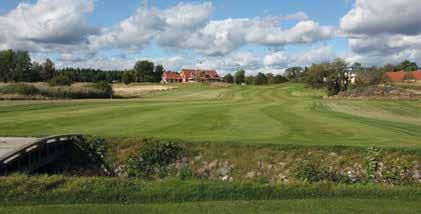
{"x": 136, "y": 90}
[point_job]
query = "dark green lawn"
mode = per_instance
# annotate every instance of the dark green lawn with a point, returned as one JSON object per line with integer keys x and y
{"x": 284, "y": 206}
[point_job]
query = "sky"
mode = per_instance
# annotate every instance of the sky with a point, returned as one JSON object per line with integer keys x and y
{"x": 258, "y": 36}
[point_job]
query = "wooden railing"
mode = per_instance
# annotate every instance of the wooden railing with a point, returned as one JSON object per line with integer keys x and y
{"x": 37, "y": 154}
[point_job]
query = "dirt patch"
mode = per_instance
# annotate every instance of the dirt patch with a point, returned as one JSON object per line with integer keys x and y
{"x": 136, "y": 90}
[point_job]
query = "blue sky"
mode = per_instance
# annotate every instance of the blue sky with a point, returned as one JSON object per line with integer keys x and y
{"x": 266, "y": 35}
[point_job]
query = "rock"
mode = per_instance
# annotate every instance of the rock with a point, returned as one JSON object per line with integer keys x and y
{"x": 282, "y": 177}
{"x": 282, "y": 164}
{"x": 417, "y": 175}
{"x": 225, "y": 178}
{"x": 395, "y": 92}
{"x": 213, "y": 164}
{"x": 251, "y": 174}
{"x": 223, "y": 171}
{"x": 184, "y": 159}
{"x": 334, "y": 154}
{"x": 197, "y": 158}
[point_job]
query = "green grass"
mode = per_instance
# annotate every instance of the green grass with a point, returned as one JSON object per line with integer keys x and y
{"x": 344, "y": 205}
{"x": 44, "y": 190}
{"x": 277, "y": 114}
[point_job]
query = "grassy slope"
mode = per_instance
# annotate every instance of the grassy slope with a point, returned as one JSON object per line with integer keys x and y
{"x": 281, "y": 114}
{"x": 285, "y": 206}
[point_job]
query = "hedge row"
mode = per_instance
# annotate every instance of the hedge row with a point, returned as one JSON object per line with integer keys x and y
{"x": 93, "y": 91}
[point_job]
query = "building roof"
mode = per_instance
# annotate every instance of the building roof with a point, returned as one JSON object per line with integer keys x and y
{"x": 171, "y": 75}
{"x": 417, "y": 75}
{"x": 396, "y": 76}
{"x": 400, "y": 75}
{"x": 194, "y": 73}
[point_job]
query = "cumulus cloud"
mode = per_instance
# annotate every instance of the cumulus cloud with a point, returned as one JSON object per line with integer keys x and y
{"x": 146, "y": 24}
{"x": 382, "y": 32}
{"x": 175, "y": 28}
{"x": 224, "y": 36}
{"x": 46, "y": 24}
{"x": 298, "y": 16}
{"x": 379, "y": 16}
{"x": 282, "y": 59}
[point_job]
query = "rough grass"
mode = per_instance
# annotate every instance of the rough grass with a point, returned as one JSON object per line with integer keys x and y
{"x": 38, "y": 190}
{"x": 277, "y": 114}
{"x": 345, "y": 205}
{"x": 138, "y": 90}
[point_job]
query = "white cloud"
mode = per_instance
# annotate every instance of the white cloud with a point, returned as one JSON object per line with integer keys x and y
{"x": 298, "y": 16}
{"x": 381, "y": 32}
{"x": 146, "y": 24}
{"x": 224, "y": 36}
{"x": 46, "y": 25}
{"x": 174, "y": 28}
{"x": 277, "y": 60}
{"x": 379, "y": 16}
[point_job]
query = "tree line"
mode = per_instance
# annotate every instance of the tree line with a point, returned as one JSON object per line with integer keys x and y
{"x": 239, "y": 77}
{"x": 334, "y": 76}
{"x": 338, "y": 75}
{"x": 17, "y": 66}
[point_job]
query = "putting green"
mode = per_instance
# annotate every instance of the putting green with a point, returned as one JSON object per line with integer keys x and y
{"x": 278, "y": 114}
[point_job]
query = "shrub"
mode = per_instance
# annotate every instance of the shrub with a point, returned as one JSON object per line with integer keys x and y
{"x": 73, "y": 93}
{"x": 20, "y": 88}
{"x": 397, "y": 171}
{"x": 104, "y": 87}
{"x": 372, "y": 161}
{"x": 308, "y": 170}
{"x": 60, "y": 80}
{"x": 96, "y": 146}
{"x": 153, "y": 159}
{"x": 314, "y": 171}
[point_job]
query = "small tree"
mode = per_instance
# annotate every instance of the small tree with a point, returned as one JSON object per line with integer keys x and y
{"x": 60, "y": 80}
{"x": 142, "y": 69}
{"x": 228, "y": 78}
{"x": 128, "y": 77}
{"x": 48, "y": 70}
{"x": 240, "y": 76}
{"x": 270, "y": 78}
{"x": 294, "y": 73}
{"x": 249, "y": 80}
{"x": 408, "y": 66}
{"x": 337, "y": 79}
{"x": 261, "y": 79}
{"x": 278, "y": 79}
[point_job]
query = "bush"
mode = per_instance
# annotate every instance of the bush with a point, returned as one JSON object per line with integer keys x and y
{"x": 397, "y": 171}
{"x": 153, "y": 159}
{"x": 372, "y": 163}
{"x": 20, "y": 88}
{"x": 60, "y": 80}
{"x": 314, "y": 171}
{"x": 104, "y": 87}
{"x": 74, "y": 93}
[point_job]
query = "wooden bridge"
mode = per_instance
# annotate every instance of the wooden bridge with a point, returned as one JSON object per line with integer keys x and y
{"x": 30, "y": 154}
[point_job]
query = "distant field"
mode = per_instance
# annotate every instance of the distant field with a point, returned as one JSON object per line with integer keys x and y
{"x": 285, "y": 206}
{"x": 277, "y": 114}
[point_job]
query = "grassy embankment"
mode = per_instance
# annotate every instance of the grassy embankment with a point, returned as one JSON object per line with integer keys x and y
{"x": 21, "y": 194}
